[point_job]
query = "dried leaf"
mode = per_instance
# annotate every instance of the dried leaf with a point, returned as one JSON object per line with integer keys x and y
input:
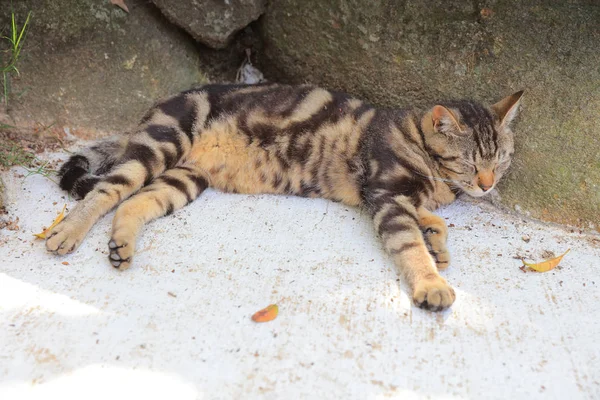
{"x": 522, "y": 268}
{"x": 546, "y": 265}
{"x": 266, "y": 314}
{"x": 121, "y": 4}
{"x": 486, "y": 13}
{"x": 60, "y": 217}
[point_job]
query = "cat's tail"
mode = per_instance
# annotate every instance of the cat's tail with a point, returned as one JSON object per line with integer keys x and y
{"x": 84, "y": 169}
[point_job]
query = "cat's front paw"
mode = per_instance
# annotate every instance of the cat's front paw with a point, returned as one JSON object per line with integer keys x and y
{"x": 433, "y": 294}
{"x": 65, "y": 237}
{"x": 436, "y": 244}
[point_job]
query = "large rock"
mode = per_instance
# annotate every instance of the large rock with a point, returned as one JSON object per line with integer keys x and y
{"x": 212, "y": 22}
{"x": 401, "y": 52}
{"x": 90, "y": 66}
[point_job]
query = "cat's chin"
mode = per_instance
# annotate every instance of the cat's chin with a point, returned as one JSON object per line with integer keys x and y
{"x": 479, "y": 193}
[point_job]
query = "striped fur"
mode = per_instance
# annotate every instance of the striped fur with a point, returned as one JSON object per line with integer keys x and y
{"x": 296, "y": 140}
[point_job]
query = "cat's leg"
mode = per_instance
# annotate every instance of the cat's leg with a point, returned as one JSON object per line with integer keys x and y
{"x": 170, "y": 191}
{"x": 435, "y": 232}
{"x": 165, "y": 136}
{"x": 397, "y": 222}
{"x": 143, "y": 159}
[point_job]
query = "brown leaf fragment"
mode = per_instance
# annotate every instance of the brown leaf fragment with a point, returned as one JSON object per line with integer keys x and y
{"x": 11, "y": 225}
{"x": 486, "y": 12}
{"x": 65, "y": 263}
{"x": 121, "y": 4}
{"x": 266, "y": 314}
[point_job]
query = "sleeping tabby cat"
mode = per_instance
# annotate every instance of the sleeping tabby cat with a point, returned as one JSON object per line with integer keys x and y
{"x": 296, "y": 140}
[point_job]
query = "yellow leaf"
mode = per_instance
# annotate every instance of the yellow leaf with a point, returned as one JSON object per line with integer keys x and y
{"x": 546, "y": 265}
{"x": 266, "y": 314}
{"x": 60, "y": 217}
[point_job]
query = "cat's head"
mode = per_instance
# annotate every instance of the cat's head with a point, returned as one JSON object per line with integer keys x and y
{"x": 472, "y": 144}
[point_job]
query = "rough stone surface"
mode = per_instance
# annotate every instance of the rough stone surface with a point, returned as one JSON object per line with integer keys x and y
{"x": 398, "y": 53}
{"x": 1, "y": 195}
{"x": 88, "y": 65}
{"x": 212, "y": 22}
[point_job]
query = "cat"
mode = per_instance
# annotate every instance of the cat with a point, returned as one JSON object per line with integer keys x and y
{"x": 398, "y": 164}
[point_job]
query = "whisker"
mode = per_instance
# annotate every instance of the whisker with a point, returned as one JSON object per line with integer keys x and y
{"x": 437, "y": 179}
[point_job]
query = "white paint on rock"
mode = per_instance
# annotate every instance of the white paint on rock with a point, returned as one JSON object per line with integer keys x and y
{"x": 346, "y": 327}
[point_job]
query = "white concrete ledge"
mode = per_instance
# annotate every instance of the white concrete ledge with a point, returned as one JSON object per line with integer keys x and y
{"x": 177, "y": 324}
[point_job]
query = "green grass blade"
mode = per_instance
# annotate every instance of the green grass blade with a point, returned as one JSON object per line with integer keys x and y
{"x": 16, "y": 40}
{"x": 23, "y": 29}
{"x": 13, "y": 30}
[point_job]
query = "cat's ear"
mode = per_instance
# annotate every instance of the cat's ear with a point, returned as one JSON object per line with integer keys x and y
{"x": 445, "y": 121}
{"x": 507, "y": 108}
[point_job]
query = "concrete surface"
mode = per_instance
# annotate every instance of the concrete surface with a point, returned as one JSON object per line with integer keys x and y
{"x": 177, "y": 324}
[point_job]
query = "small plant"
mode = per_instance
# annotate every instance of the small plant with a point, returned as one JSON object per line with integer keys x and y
{"x": 15, "y": 39}
{"x": 12, "y": 155}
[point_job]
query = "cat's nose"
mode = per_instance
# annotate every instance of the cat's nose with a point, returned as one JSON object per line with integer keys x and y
{"x": 484, "y": 187}
{"x": 485, "y": 180}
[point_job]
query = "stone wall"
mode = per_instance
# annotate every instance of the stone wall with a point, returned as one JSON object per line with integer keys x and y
{"x": 89, "y": 65}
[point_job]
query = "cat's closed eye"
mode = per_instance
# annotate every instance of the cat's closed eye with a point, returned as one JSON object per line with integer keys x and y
{"x": 502, "y": 165}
